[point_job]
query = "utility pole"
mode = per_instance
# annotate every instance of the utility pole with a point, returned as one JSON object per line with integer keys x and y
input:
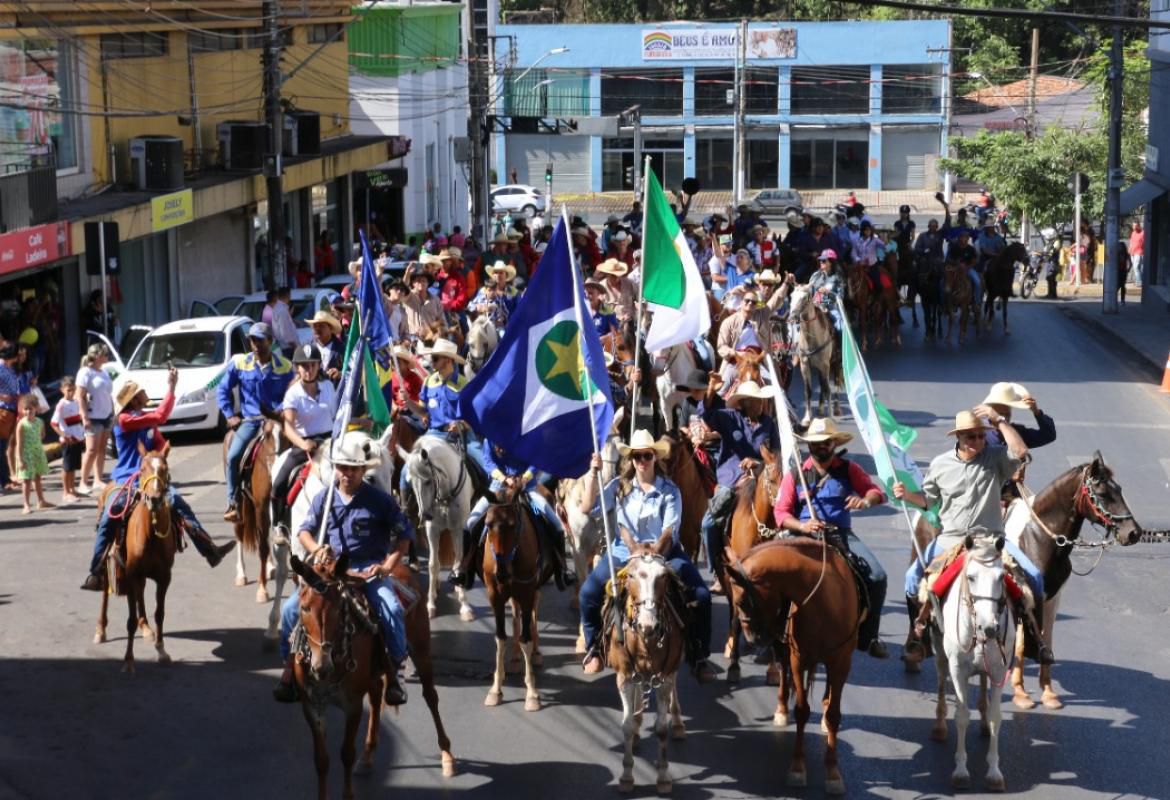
{"x": 1114, "y": 174}
{"x": 1033, "y": 75}
{"x": 637, "y": 120}
{"x": 475, "y": 130}
{"x": 275, "y": 271}
{"x": 738, "y": 181}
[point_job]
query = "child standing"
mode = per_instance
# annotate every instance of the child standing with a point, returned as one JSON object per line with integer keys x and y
{"x": 31, "y": 463}
{"x": 67, "y": 423}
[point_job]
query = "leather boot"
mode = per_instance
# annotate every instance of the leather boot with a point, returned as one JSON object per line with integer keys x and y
{"x": 915, "y": 647}
{"x": 1044, "y": 655}
{"x": 463, "y": 573}
{"x": 395, "y": 693}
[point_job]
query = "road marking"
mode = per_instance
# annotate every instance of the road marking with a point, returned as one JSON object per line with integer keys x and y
{"x": 1165, "y": 462}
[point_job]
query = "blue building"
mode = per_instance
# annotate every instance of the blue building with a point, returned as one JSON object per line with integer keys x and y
{"x": 848, "y": 105}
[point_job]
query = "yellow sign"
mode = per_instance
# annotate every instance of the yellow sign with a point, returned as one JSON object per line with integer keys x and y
{"x": 172, "y": 210}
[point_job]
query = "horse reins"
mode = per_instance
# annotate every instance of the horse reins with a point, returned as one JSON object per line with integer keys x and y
{"x": 502, "y": 558}
{"x": 968, "y": 601}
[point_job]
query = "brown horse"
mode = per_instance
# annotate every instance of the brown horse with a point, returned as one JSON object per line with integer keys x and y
{"x": 338, "y": 659}
{"x": 513, "y": 570}
{"x": 403, "y": 435}
{"x": 254, "y": 508}
{"x": 885, "y": 303}
{"x": 802, "y": 591}
{"x": 148, "y": 552}
{"x": 645, "y": 648}
{"x": 997, "y": 278}
{"x": 857, "y": 298}
{"x": 957, "y": 299}
{"x": 682, "y": 468}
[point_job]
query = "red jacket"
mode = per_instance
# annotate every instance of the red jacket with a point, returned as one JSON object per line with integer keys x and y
{"x": 453, "y": 294}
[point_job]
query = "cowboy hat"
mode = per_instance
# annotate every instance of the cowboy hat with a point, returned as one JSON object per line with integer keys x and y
{"x": 427, "y": 259}
{"x": 691, "y": 222}
{"x": 513, "y": 235}
{"x": 501, "y": 238}
{"x": 1007, "y": 394}
{"x": 750, "y": 390}
{"x": 825, "y": 430}
{"x": 593, "y": 283}
{"x": 612, "y": 218}
{"x": 445, "y": 348}
{"x": 580, "y": 230}
{"x": 967, "y": 421}
{"x": 794, "y": 220}
{"x": 695, "y": 379}
{"x": 357, "y": 449}
{"x": 611, "y": 266}
{"x": 451, "y": 253}
{"x": 421, "y": 273}
{"x": 767, "y": 276}
{"x": 642, "y": 440}
{"x": 128, "y": 392}
{"x": 503, "y": 266}
{"x": 620, "y": 236}
{"x": 324, "y": 317}
{"x": 404, "y": 354}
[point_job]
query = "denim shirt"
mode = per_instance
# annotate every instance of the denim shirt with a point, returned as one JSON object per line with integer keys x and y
{"x": 739, "y": 439}
{"x": 368, "y": 527}
{"x": 644, "y": 514}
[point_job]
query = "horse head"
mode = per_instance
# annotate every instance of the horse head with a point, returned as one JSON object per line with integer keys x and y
{"x": 744, "y": 598}
{"x": 1100, "y": 501}
{"x": 503, "y": 524}
{"x": 435, "y": 469}
{"x": 984, "y": 587}
{"x": 481, "y": 342}
{"x": 647, "y": 577}
{"x": 322, "y": 611}
{"x": 155, "y": 476}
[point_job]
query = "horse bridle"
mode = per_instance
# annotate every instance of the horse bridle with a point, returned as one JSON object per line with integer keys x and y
{"x": 979, "y": 637}
{"x": 155, "y": 503}
{"x": 662, "y": 622}
{"x": 436, "y": 472}
{"x": 508, "y": 558}
{"x": 1091, "y": 501}
{"x": 766, "y": 533}
{"x": 348, "y": 629}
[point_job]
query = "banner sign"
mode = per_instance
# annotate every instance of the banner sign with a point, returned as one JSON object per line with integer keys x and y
{"x": 31, "y": 247}
{"x": 694, "y": 44}
{"x": 172, "y": 210}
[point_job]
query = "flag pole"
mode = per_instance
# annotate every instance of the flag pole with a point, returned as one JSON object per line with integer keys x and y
{"x": 777, "y": 391}
{"x": 641, "y": 304}
{"x": 588, "y": 389}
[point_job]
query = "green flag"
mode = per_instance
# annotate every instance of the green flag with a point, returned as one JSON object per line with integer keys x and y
{"x": 376, "y": 408}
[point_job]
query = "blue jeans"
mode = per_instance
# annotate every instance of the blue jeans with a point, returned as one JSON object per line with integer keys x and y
{"x": 535, "y": 499}
{"x": 875, "y": 586}
{"x": 247, "y": 431}
{"x": 107, "y": 525}
{"x": 383, "y": 602}
{"x": 917, "y": 570}
{"x": 976, "y": 285}
{"x": 714, "y": 523}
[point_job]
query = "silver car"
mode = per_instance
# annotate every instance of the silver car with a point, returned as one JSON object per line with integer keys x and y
{"x": 776, "y": 202}
{"x": 517, "y": 197}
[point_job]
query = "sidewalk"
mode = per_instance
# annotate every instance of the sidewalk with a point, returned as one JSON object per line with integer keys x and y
{"x": 1141, "y": 328}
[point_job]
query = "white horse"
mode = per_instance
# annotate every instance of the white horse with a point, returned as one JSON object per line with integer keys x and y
{"x": 442, "y": 484}
{"x": 816, "y": 346}
{"x": 482, "y": 340}
{"x": 679, "y": 363}
{"x": 971, "y": 639}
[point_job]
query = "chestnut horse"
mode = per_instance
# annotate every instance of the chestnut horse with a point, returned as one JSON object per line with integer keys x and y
{"x": 957, "y": 299}
{"x": 338, "y": 660}
{"x": 857, "y": 296}
{"x": 254, "y": 508}
{"x": 148, "y": 552}
{"x": 513, "y": 570}
{"x": 682, "y": 468}
{"x": 800, "y": 590}
{"x": 998, "y": 277}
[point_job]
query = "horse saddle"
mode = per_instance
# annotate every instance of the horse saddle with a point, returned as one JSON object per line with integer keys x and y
{"x": 675, "y": 605}
{"x": 862, "y": 575}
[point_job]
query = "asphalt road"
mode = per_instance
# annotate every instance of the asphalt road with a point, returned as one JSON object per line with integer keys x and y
{"x": 206, "y": 727}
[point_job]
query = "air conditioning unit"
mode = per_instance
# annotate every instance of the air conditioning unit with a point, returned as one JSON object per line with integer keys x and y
{"x": 156, "y": 163}
{"x": 242, "y": 144}
{"x": 302, "y": 133}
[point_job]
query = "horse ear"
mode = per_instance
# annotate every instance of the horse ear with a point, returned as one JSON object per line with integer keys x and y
{"x": 733, "y": 568}
{"x": 768, "y": 456}
{"x": 340, "y": 566}
{"x": 491, "y": 497}
{"x": 1000, "y": 541}
{"x": 1098, "y": 465}
{"x": 141, "y": 448}
{"x": 402, "y": 453}
{"x": 968, "y": 542}
{"x": 166, "y": 449}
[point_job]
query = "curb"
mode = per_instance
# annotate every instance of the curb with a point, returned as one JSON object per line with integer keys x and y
{"x": 1153, "y": 366}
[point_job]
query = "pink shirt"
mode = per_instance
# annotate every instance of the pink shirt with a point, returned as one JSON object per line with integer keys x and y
{"x": 1137, "y": 242}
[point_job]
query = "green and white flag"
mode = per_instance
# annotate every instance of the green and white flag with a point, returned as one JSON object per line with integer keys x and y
{"x": 671, "y": 284}
{"x": 885, "y": 438}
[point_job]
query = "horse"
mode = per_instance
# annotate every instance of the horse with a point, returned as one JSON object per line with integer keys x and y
{"x": 857, "y": 297}
{"x": 147, "y": 552}
{"x": 998, "y": 278}
{"x": 802, "y": 591}
{"x": 816, "y": 347}
{"x": 442, "y": 484}
{"x": 957, "y": 294}
{"x": 645, "y": 648}
{"x": 681, "y": 361}
{"x": 482, "y": 340}
{"x": 681, "y": 467}
{"x": 970, "y": 631}
{"x": 884, "y": 306}
{"x": 513, "y": 570}
{"x": 1088, "y": 492}
{"x": 927, "y": 275}
{"x": 338, "y": 660}
{"x": 255, "y": 510}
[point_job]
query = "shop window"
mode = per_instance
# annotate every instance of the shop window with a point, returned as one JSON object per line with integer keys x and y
{"x": 327, "y": 32}
{"x": 830, "y": 90}
{"x": 39, "y": 127}
{"x": 141, "y": 44}
{"x": 830, "y": 164}
{"x": 657, "y": 91}
{"x": 541, "y": 94}
{"x": 763, "y": 163}
{"x": 617, "y": 162}
{"x": 218, "y": 40}
{"x": 913, "y": 89}
{"x": 714, "y": 92}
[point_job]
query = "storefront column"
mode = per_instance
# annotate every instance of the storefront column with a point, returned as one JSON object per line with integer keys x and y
{"x": 875, "y": 157}
{"x": 784, "y": 156}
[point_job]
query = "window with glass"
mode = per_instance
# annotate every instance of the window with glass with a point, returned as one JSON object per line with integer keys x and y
{"x": 617, "y": 162}
{"x": 763, "y": 162}
{"x": 714, "y": 92}
{"x": 40, "y": 125}
{"x": 657, "y": 91}
{"x": 830, "y": 163}
{"x": 326, "y": 32}
{"x": 219, "y": 40}
{"x": 912, "y": 89}
{"x": 830, "y": 90}
{"x": 140, "y": 44}
{"x": 543, "y": 93}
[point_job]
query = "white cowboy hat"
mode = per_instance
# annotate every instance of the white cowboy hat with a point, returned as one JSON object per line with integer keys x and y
{"x": 357, "y": 449}
{"x": 326, "y": 318}
{"x": 825, "y": 430}
{"x": 967, "y": 421}
{"x": 611, "y": 266}
{"x": 450, "y": 253}
{"x": 427, "y": 258}
{"x": 767, "y": 276}
{"x": 580, "y": 230}
{"x": 443, "y": 347}
{"x": 513, "y": 235}
{"x": 751, "y": 390}
{"x": 642, "y": 440}
{"x": 503, "y": 266}
{"x": 404, "y": 354}
{"x": 1007, "y": 394}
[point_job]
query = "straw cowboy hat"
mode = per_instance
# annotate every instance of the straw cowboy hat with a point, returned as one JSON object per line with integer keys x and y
{"x": 326, "y": 318}
{"x": 453, "y": 253}
{"x": 593, "y": 283}
{"x": 357, "y": 449}
{"x": 967, "y": 421}
{"x": 642, "y": 440}
{"x": 443, "y": 347}
{"x": 611, "y": 266}
{"x": 128, "y": 392}
{"x": 1007, "y": 394}
{"x": 767, "y": 276}
{"x": 750, "y": 390}
{"x": 505, "y": 267}
{"x": 426, "y": 259}
{"x": 825, "y": 430}
{"x": 620, "y": 236}
{"x": 513, "y": 235}
{"x": 404, "y": 354}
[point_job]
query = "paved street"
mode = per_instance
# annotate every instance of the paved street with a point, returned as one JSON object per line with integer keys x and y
{"x": 206, "y": 725}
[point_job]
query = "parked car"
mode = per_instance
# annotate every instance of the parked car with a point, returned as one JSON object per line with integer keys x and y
{"x": 393, "y": 269}
{"x": 200, "y": 350}
{"x": 777, "y": 202}
{"x": 304, "y": 303}
{"x": 517, "y": 197}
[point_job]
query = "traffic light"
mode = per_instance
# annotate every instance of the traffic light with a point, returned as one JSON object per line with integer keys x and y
{"x": 548, "y": 174}
{"x": 629, "y": 176}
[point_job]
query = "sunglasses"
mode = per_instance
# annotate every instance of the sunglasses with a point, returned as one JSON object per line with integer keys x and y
{"x": 642, "y": 455}
{"x": 972, "y": 437}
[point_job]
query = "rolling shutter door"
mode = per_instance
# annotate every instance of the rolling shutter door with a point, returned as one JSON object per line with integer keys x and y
{"x": 905, "y": 155}
{"x": 530, "y": 154}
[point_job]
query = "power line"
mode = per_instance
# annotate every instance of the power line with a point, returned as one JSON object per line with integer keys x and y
{"x": 1016, "y": 13}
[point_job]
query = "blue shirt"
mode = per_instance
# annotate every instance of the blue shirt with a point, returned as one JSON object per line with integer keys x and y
{"x": 644, "y": 514}
{"x": 368, "y": 527}
{"x": 739, "y": 439}
{"x": 262, "y": 386}
{"x": 10, "y": 385}
{"x": 496, "y": 458}
{"x": 605, "y": 321}
{"x": 441, "y": 399}
{"x": 735, "y": 278}
{"x": 129, "y": 459}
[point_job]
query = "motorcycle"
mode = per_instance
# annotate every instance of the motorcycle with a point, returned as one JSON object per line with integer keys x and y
{"x": 1044, "y": 262}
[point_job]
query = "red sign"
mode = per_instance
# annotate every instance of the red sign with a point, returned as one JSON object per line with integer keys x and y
{"x": 31, "y": 247}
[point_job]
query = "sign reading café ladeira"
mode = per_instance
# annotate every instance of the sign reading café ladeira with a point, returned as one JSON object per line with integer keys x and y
{"x": 31, "y": 247}
{"x": 683, "y": 44}
{"x": 172, "y": 210}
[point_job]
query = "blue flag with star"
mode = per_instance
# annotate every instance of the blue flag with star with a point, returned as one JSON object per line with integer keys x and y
{"x": 534, "y": 396}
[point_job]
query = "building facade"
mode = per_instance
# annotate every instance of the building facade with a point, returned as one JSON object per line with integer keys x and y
{"x": 849, "y": 105}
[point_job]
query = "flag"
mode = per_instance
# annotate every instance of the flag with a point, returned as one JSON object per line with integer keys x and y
{"x": 789, "y": 451}
{"x": 885, "y": 438}
{"x": 351, "y": 377}
{"x": 671, "y": 284}
{"x": 375, "y": 328}
{"x": 535, "y": 394}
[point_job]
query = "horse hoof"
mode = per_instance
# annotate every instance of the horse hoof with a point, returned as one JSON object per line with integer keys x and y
{"x": 835, "y": 786}
{"x": 626, "y": 785}
{"x": 797, "y": 779}
{"x": 1051, "y": 701}
{"x": 466, "y": 614}
{"x": 164, "y": 658}
{"x": 664, "y": 787}
{"x": 493, "y": 699}
{"x": 773, "y": 675}
{"x": 1022, "y": 700}
{"x": 128, "y": 667}
{"x": 537, "y": 659}
{"x": 147, "y": 634}
{"x": 241, "y": 580}
{"x": 448, "y": 765}
{"x": 532, "y": 703}
{"x": 432, "y": 611}
{"x": 995, "y": 783}
{"x": 961, "y": 781}
{"x": 733, "y": 673}
{"x": 678, "y": 732}
{"x": 939, "y": 733}
{"x": 99, "y": 637}
{"x": 780, "y": 719}
{"x": 262, "y": 595}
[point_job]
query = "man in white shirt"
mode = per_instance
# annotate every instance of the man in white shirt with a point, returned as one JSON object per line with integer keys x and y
{"x": 283, "y": 327}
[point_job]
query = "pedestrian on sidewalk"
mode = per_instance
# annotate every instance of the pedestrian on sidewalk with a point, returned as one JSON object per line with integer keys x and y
{"x": 66, "y": 422}
{"x": 1123, "y": 263}
{"x": 31, "y": 464}
{"x": 1137, "y": 246}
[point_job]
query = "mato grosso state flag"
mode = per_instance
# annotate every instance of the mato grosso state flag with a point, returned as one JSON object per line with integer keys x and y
{"x": 671, "y": 283}
{"x": 534, "y": 396}
{"x": 885, "y": 438}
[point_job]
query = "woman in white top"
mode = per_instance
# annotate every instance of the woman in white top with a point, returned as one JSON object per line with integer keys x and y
{"x": 95, "y": 397}
{"x": 310, "y": 404}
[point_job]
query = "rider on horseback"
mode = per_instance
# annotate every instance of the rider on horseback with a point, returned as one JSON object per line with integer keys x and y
{"x": 261, "y": 377}
{"x": 837, "y": 487}
{"x": 366, "y": 524}
{"x": 964, "y": 484}
{"x": 1000, "y": 400}
{"x": 309, "y": 408}
{"x": 134, "y": 426}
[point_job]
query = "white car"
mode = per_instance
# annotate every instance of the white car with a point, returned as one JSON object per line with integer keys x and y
{"x": 304, "y": 303}
{"x": 200, "y": 349}
{"x": 517, "y": 197}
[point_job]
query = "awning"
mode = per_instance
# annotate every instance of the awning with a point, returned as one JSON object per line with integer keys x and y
{"x": 1140, "y": 194}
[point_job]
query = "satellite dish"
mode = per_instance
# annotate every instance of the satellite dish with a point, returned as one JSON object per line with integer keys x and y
{"x": 690, "y": 186}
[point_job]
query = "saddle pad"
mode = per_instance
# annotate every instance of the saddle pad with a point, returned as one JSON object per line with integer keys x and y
{"x": 252, "y": 450}
{"x": 942, "y": 584}
{"x": 887, "y": 281}
{"x": 298, "y": 482}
